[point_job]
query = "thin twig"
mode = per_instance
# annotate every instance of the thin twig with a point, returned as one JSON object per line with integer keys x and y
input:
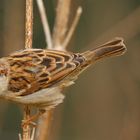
{"x": 45, "y": 23}
{"x": 29, "y": 24}
{"x": 72, "y": 28}
{"x": 61, "y": 22}
{"x": 26, "y": 127}
{"x": 20, "y": 137}
{"x": 33, "y": 134}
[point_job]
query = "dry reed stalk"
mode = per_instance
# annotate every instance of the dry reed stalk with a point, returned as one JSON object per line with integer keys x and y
{"x": 26, "y": 128}
{"x": 44, "y": 126}
{"x": 72, "y": 28}
{"x": 61, "y": 22}
{"x": 29, "y": 24}
{"x": 45, "y": 23}
{"x": 26, "y": 135}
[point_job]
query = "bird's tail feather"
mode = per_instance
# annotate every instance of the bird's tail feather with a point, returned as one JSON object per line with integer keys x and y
{"x": 114, "y": 47}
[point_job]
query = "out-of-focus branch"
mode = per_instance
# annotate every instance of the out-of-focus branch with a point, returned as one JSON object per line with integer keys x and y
{"x": 61, "y": 22}
{"x": 73, "y": 26}
{"x": 29, "y": 24}
{"x": 44, "y": 125}
{"x": 45, "y": 23}
{"x": 127, "y": 28}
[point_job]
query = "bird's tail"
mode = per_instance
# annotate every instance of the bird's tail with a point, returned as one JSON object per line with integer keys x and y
{"x": 115, "y": 47}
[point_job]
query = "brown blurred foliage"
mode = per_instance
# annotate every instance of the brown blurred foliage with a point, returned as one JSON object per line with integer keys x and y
{"x": 104, "y": 103}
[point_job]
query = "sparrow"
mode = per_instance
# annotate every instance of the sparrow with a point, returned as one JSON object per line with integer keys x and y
{"x": 36, "y": 77}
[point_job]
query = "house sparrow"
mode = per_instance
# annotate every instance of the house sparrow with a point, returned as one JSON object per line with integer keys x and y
{"x": 35, "y": 77}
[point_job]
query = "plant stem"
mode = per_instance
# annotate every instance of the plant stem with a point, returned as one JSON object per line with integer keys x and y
{"x": 26, "y": 135}
{"x": 29, "y": 24}
{"x": 44, "y": 125}
{"x": 61, "y": 22}
{"x": 45, "y": 23}
{"x": 72, "y": 28}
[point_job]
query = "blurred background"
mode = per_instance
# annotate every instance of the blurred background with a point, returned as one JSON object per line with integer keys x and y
{"x": 104, "y": 104}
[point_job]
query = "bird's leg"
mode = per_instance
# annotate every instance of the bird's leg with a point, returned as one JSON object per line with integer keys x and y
{"x": 31, "y": 119}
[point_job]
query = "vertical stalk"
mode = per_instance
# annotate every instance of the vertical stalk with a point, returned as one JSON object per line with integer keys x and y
{"x": 61, "y": 22}
{"x": 29, "y": 24}
{"x": 26, "y": 135}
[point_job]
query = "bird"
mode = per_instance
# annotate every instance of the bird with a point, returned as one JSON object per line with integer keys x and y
{"x": 36, "y": 77}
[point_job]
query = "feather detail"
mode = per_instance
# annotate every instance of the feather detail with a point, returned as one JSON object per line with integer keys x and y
{"x": 114, "y": 47}
{"x": 36, "y": 76}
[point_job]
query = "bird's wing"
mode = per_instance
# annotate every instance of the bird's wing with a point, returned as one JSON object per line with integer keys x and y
{"x": 36, "y": 69}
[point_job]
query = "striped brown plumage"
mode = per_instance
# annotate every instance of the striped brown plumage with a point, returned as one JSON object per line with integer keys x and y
{"x": 36, "y": 76}
{"x": 42, "y": 69}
